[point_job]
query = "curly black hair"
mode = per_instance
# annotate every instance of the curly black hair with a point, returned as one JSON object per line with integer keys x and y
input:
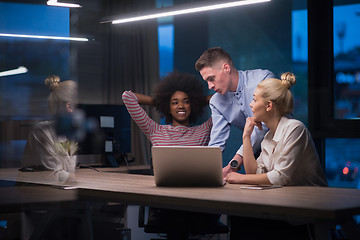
{"x": 179, "y": 82}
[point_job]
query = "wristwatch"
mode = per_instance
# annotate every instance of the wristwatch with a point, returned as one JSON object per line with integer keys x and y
{"x": 234, "y": 164}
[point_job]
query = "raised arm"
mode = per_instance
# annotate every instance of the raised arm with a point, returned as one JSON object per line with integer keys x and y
{"x": 250, "y": 163}
{"x": 249, "y": 160}
{"x": 138, "y": 114}
{"x": 144, "y": 99}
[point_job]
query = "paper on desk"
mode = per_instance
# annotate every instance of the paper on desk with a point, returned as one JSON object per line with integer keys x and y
{"x": 66, "y": 187}
{"x": 260, "y": 187}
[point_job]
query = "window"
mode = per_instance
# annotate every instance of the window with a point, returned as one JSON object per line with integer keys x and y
{"x": 347, "y": 61}
{"x": 166, "y": 48}
{"x": 332, "y": 63}
{"x": 299, "y": 38}
{"x": 342, "y": 162}
{"x": 332, "y": 112}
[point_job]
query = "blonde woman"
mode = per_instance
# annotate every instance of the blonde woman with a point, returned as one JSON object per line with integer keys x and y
{"x": 288, "y": 155}
{"x": 45, "y": 150}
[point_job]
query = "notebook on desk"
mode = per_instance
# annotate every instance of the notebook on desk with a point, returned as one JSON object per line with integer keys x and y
{"x": 198, "y": 166}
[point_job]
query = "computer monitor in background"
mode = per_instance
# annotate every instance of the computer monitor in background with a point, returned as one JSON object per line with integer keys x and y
{"x": 108, "y": 132}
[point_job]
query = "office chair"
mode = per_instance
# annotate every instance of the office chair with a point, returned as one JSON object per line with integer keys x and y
{"x": 176, "y": 225}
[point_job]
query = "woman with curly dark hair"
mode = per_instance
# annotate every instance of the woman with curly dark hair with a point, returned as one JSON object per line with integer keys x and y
{"x": 179, "y": 82}
{"x": 180, "y": 99}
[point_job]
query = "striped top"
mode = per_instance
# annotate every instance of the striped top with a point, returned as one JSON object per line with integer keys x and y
{"x": 161, "y": 135}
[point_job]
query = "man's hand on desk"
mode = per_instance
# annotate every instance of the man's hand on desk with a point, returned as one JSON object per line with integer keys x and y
{"x": 227, "y": 170}
{"x": 234, "y": 177}
{"x": 233, "y": 169}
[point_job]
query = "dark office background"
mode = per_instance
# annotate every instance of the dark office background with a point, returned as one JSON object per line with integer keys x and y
{"x": 135, "y": 56}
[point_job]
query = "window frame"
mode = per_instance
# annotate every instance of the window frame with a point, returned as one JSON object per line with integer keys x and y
{"x": 321, "y": 76}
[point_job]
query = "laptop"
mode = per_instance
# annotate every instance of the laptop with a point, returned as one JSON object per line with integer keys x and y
{"x": 180, "y": 166}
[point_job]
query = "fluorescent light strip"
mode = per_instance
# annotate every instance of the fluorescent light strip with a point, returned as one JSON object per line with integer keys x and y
{"x": 190, "y": 10}
{"x": 19, "y": 70}
{"x": 59, "y": 4}
{"x": 43, "y": 37}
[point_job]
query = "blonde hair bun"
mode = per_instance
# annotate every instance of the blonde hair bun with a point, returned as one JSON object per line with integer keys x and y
{"x": 288, "y": 79}
{"x": 52, "y": 82}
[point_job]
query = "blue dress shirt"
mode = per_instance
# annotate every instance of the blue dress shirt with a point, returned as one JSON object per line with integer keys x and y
{"x": 234, "y": 108}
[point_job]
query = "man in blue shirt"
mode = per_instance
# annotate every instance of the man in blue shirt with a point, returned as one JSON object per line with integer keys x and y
{"x": 230, "y": 105}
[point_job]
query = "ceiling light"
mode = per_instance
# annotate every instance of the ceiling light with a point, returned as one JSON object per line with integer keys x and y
{"x": 60, "y": 4}
{"x": 43, "y": 37}
{"x": 192, "y": 8}
{"x": 19, "y": 70}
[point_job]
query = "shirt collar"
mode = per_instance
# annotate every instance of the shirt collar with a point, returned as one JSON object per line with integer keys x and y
{"x": 240, "y": 82}
{"x": 239, "y": 88}
{"x": 278, "y": 132}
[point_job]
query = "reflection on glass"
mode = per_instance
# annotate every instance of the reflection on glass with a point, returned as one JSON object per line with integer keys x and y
{"x": 46, "y": 150}
{"x": 23, "y": 96}
{"x": 347, "y": 61}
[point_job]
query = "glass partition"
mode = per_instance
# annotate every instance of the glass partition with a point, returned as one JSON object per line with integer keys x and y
{"x": 23, "y": 97}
